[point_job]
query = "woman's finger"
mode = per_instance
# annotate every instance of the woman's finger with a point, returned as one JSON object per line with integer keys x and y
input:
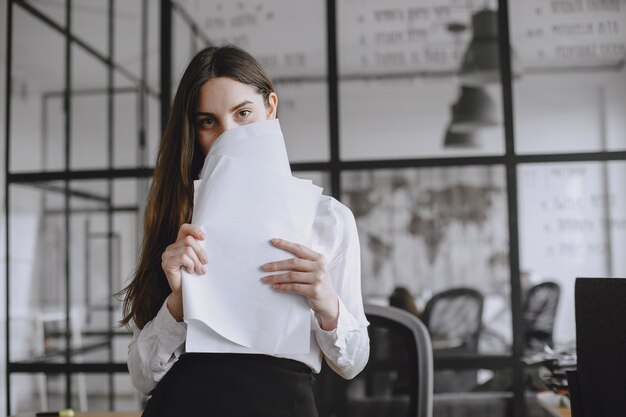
{"x": 297, "y": 249}
{"x": 293, "y": 277}
{"x": 293, "y": 264}
{"x": 293, "y": 288}
{"x": 197, "y": 248}
{"x": 187, "y": 263}
{"x": 190, "y": 229}
{"x": 191, "y": 254}
{"x": 185, "y": 256}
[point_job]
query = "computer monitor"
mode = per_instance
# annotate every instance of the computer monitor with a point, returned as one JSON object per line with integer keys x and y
{"x": 601, "y": 347}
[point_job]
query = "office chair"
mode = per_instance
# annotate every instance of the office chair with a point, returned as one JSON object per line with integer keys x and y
{"x": 597, "y": 386}
{"x": 398, "y": 378}
{"x": 454, "y": 319}
{"x": 539, "y": 312}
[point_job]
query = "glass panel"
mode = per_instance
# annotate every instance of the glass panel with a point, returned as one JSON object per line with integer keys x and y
{"x": 90, "y": 23}
{"x": 425, "y": 78}
{"x": 154, "y": 45}
{"x": 126, "y": 129}
{"x": 127, "y": 229}
{"x": 430, "y": 230}
{"x": 128, "y": 147}
{"x": 89, "y": 119}
{"x": 37, "y": 117}
{"x": 449, "y": 223}
{"x": 126, "y": 396}
{"x": 97, "y": 264}
{"x": 90, "y": 266}
{"x": 303, "y": 114}
{"x": 268, "y": 30}
{"x": 127, "y": 38}
{"x": 400, "y": 35}
{"x": 571, "y": 225}
{"x": 52, "y": 10}
{"x": 571, "y": 94}
{"x": 408, "y": 118}
{"x": 153, "y": 132}
{"x": 181, "y": 48}
{"x": 29, "y": 393}
{"x": 36, "y": 392}
{"x": 616, "y": 200}
{"x": 52, "y": 133}
{"x": 272, "y": 32}
{"x": 129, "y": 18}
{"x": 37, "y": 270}
{"x": 101, "y": 261}
{"x": 129, "y": 192}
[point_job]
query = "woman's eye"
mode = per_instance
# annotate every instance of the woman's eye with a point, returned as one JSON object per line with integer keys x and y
{"x": 244, "y": 113}
{"x": 207, "y": 122}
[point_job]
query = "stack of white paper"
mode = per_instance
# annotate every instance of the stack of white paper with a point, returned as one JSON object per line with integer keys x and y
{"x": 246, "y": 196}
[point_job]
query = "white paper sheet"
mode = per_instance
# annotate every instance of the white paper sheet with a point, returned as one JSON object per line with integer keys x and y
{"x": 241, "y": 205}
{"x": 260, "y": 143}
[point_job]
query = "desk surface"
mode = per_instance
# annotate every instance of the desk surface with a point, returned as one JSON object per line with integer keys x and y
{"x": 563, "y": 412}
{"x": 92, "y": 414}
{"x": 553, "y": 404}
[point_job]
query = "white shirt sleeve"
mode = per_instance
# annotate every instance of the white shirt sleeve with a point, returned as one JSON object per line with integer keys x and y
{"x": 346, "y": 348}
{"x": 154, "y": 349}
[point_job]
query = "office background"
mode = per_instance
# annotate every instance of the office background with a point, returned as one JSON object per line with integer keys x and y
{"x": 495, "y": 173}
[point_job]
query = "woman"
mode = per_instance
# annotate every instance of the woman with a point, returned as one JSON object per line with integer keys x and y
{"x": 223, "y": 88}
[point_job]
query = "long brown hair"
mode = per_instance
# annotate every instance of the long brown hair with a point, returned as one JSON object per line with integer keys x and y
{"x": 179, "y": 161}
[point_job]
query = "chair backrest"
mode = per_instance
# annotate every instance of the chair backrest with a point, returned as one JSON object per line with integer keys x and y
{"x": 398, "y": 379}
{"x": 455, "y": 314}
{"x": 600, "y": 347}
{"x": 540, "y": 307}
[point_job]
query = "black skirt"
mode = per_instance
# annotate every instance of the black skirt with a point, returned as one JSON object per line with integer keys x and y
{"x": 233, "y": 385}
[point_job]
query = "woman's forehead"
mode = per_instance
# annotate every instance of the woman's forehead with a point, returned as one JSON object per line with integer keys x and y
{"x": 222, "y": 93}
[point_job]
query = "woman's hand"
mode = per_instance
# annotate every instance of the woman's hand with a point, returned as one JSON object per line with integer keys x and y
{"x": 307, "y": 276}
{"x": 185, "y": 252}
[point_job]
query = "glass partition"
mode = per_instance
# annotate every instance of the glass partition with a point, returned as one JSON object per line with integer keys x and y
{"x": 37, "y": 128}
{"x": 73, "y": 219}
{"x": 278, "y": 34}
{"x": 102, "y": 258}
{"x": 571, "y": 94}
{"x": 419, "y": 80}
{"x": 571, "y": 225}
{"x": 437, "y": 237}
{"x": 40, "y": 391}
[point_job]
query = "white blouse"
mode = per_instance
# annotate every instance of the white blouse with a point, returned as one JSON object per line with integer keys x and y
{"x": 155, "y": 348}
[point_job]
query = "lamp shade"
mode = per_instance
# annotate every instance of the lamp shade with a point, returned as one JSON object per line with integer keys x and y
{"x": 455, "y": 139}
{"x": 481, "y": 61}
{"x": 474, "y": 109}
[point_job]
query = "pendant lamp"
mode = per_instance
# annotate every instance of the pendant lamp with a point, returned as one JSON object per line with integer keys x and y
{"x": 460, "y": 139}
{"x": 481, "y": 61}
{"x": 474, "y": 109}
